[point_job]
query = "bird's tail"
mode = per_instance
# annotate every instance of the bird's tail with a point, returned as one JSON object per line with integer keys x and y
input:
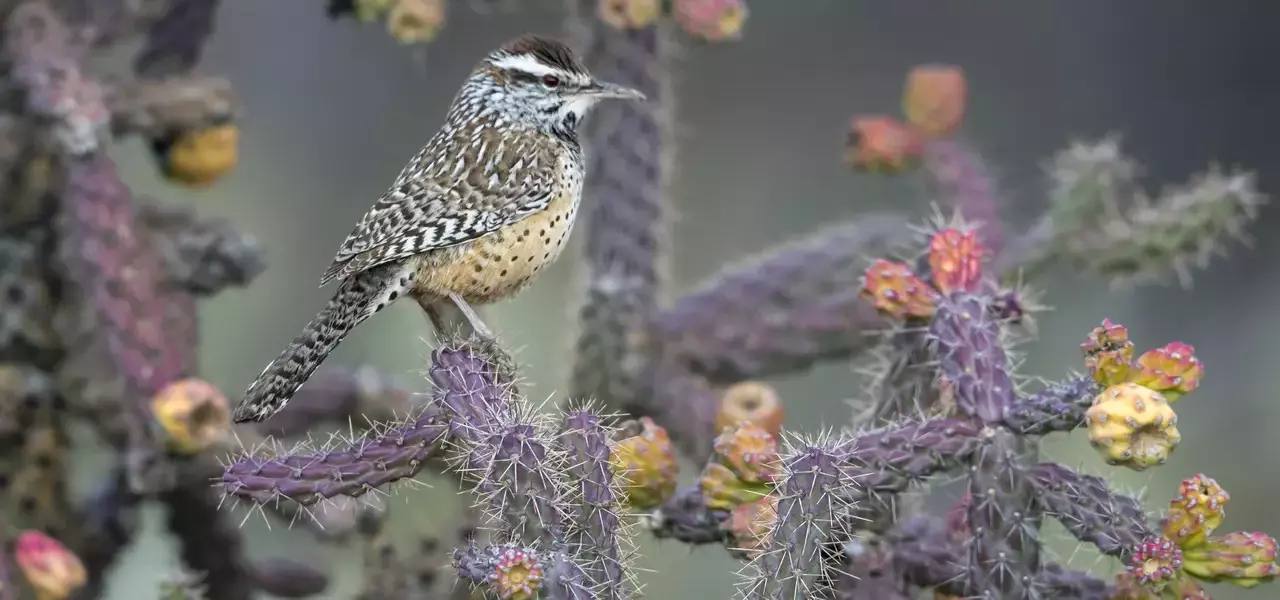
{"x": 358, "y": 298}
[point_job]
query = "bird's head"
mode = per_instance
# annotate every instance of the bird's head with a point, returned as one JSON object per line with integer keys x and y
{"x": 541, "y": 82}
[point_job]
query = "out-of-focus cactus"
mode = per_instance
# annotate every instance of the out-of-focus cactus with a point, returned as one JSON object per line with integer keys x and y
{"x": 645, "y": 464}
{"x": 51, "y": 569}
{"x": 193, "y": 414}
{"x": 199, "y": 158}
{"x": 934, "y": 100}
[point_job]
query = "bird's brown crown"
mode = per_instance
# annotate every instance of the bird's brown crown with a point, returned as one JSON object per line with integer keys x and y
{"x": 548, "y": 51}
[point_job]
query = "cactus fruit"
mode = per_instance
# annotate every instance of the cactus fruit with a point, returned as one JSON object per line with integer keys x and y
{"x": 749, "y": 451}
{"x": 645, "y": 464}
{"x": 193, "y": 414}
{"x": 879, "y": 144}
{"x": 1133, "y": 426}
{"x": 749, "y": 525}
{"x": 1172, "y": 370}
{"x": 1242, "y": 559}
{"x": 1108, "y": 353}
{"x": 750, "y": 402}
{"x": 415, "y": 21}
{"x": 1196, "y": 511}
{"x": 896, "y": 291}
{"x": 955, "y": 260}
{"x": 199, "y": 158}
{"x": 629, "y": 14}
{"x": 51, "y": 569}
{"x": 934, "y": 99}
{"x": 711, "y": 20}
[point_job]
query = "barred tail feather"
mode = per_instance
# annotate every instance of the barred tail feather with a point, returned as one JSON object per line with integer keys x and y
{"x": 358, "y": 298}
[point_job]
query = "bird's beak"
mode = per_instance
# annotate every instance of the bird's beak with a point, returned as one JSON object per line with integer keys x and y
{"x": 604, "y": 89}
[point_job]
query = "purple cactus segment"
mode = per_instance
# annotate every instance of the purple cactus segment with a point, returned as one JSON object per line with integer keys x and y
{"x": 784, "y": 311}
{"x": 886, "y": 461}
{"x": 964, "y": 183}
{"x": 596, "y": 535}
{"x": 971, "y": 356}
{"x": 468, "y": 391}
{"x": 1087, "y": 507}
{"x": 519, "y": 483}
{"x": 795, "y": 562}
{"x": 514, "y": 571}
{"x": 175, "y": 43}
{"x": 371, "y": 462}
{"x": 1060, "y": 407}
{"x": 1003, "y": 521}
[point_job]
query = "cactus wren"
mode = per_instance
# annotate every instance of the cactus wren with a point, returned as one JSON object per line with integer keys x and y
{"x": 473, "y": 217}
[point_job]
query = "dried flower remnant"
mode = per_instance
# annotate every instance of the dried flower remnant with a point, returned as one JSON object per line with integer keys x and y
{"x": 955, "y": 260}
{"x": 934, "y": 99}
{"x": 750, "y": 402}
{"x": 880, "y": 144}
{"x": 193, "y": 413}
{"x": 53, "y": 571}
{"x": 1155, "y": 564}
{"x": 517, "y": 575}
{"x": 1133, "y": 426}
{"x": 897, "y": 292}
{"x": 629, "y": 14}
{"x": 711, "y": 20}
{"x": 645, "y": 464}
{"x": 1172, "y": 370}
{"x": 1108, "y": 353}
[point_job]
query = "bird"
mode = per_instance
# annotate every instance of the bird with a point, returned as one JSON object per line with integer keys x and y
{"x": 473, "y": 217}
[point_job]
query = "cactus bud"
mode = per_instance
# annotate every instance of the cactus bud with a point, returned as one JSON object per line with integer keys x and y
{"x": 416, "y": 21}
{"x": 711, "y": 20}
{"x": 1133, "y": 426}
{"x": 882, "y": 145}
{"x": 749, "y": 451}
{"x": 1172, "y": 370}
{"x": 193, "y": 414}
{"x": 645, "y": 465}
{"x": 749, "y": 525}
{"x": 1155, "y": 563}
{"x": 955, "y": 258}
{"x": 53, "y": 571}
{"x": 1241, "y": 559}
{"x": 629, "y": 14}
{"x": 897, "y": 292}
{"x": 751, "y": 402}
{"x": 1108, "y": 353}
{"x": 934, "y": 99}
{"x": 1196, "y": 512}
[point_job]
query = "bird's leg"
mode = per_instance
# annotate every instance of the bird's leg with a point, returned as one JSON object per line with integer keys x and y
{"x": 453, "y": 316}
{"x": 473, "y": 318}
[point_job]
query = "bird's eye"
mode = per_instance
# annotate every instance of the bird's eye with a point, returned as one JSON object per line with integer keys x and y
{"x": 551, "y": 81}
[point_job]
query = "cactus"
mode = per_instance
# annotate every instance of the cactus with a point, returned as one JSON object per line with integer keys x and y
{"x": 102, "y": 326}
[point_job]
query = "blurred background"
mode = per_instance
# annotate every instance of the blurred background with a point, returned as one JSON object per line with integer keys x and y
{"x": 334, "y": 109}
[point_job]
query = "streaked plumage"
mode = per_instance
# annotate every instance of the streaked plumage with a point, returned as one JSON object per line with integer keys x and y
{"x": 482, "y": 208}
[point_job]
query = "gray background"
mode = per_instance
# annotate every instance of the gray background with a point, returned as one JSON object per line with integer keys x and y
{"x": 334, "y": 110}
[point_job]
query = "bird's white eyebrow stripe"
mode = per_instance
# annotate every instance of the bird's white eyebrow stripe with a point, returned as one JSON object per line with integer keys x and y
{"x": 526, "y": 63}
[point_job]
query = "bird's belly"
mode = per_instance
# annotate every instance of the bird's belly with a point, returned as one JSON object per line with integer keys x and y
{"x": 500, "y": 264}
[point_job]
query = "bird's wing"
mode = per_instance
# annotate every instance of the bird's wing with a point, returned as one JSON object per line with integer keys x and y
{"x": 435, "y": 206}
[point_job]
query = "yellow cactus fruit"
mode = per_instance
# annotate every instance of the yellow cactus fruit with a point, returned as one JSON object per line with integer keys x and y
{"x": 749, "y": 451}
{"x": 750, "y": 402}
{"x": 645, "y": 465}
{"x": 1133, "y": 426}
{"x": 199, "y": 158}
{"x": 629, "y": 14}
{"x": 193, "y": 414}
